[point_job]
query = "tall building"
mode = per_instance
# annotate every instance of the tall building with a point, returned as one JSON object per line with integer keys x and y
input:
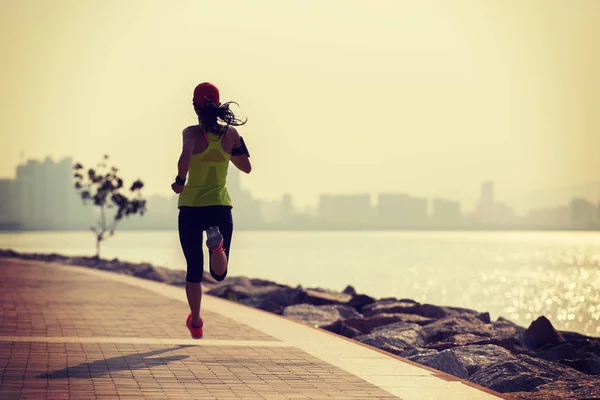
{"x": 9, "y": 204}
{"x": 583, "y": 213}
{"x": 489, "y": 211}
{"x": 401, "y": 211}
{"x": 286, "y": 212}
{"x": 446, "y": 213}
{"x": 48, "y": 199}
{"x": 486, "y": 206}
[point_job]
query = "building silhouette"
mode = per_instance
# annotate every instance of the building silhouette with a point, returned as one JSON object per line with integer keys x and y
{"x": 446, "y": 213}
{"x": 43, "y": 197}
{"x": 401, "y": 211}
{"x": 10, "y": 213}
{"x": 583, "y": 213}
{"x": 46, "y": 196}
{"x": 491, "y": 212}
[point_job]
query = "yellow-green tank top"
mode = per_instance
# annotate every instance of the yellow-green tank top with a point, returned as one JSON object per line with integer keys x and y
{"x": 207, "y": 176}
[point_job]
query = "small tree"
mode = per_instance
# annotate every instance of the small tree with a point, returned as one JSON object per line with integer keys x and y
{"x": 105, "y": 188}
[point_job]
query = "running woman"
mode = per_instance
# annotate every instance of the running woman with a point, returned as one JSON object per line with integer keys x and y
{"x": 204, "y": 203}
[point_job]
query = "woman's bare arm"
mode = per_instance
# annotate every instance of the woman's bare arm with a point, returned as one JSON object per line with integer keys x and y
{"x": 183, "y": 165}
{"x": 242, "y": 161}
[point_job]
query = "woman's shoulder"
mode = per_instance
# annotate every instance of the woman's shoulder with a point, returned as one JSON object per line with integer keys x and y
{"x": 232, "y": 133}
{"x": 192, "y": 129}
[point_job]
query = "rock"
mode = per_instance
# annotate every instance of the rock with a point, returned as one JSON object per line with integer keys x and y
{"x": 560, "y": 352}
{"x": 418, "y": 353}
{"x": 461, "y": 339}
{"x": 237, "y": 280}
{"x": 465, "y": 339}
{"x": 582, "y": 389}
{"x": 588, "y": 366}
{"x": 461, "y": 361}
{"x": 476, "y": 357}
{"x": 366, "y": 325}
{"x": 578, "y": 337}
{"x": 349, "y": 290}
{"x": 177, "y": 278}
{"x": 458, "y": 311}
{"x": 341, "y": 328}
{"x": 450, "y": 326}
{"x": 446, "y": 362}
{"x": 540, "y": 333}
{"x": 238, "y": 292}
{"x": 275, "y": 301}
{"x": 396, "y": 337}
{"x": 591, "y": 348}
{"x": 522, "y": 374}
{"x": 408, "y": 301}
{"x": 320, "y": 315}
{"x": 485, "y": 317}
{"x": 505, "y": 328}
{"x": 388, "y": 300}
{"x": 320, "y": 297}
{"x": 144, "y": 270}
{"x": 262, "y": 282}
{"x": 359, "y": 301}
{"x": 8, "y": 253}
{"x": 388, "y": 307}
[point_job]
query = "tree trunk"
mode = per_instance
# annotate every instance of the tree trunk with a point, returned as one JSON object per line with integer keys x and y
{"x": 98, "y": 249}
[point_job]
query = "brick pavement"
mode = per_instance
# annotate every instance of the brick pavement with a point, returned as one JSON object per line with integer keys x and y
{"x": 66, "y": 333}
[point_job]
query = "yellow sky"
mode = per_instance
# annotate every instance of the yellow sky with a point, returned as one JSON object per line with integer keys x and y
{"x": 342, "y": 96}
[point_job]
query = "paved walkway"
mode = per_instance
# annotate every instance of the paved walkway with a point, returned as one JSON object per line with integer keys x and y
{"x": 69, "y": 332}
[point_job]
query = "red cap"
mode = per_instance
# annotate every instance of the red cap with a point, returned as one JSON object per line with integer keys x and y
{"x": 206, "y": 91}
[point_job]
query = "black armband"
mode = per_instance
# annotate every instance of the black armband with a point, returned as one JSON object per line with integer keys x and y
{"x": 179, "y": 181}
{"x": 242, "y": 149}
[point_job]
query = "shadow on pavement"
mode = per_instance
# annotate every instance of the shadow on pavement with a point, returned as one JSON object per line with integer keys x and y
{"x": 127, "y": 362}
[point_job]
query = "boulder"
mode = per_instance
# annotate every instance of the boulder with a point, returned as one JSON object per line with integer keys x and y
{"x": 476, "y": 357}
{"x": 485, "y": 317}
{"x": 341, "y": 328}
{"x": 541, "y": 333}
{"x": 359, "y": 301}
{"x": 505, "y": 328}
{"x": 588, "y": 365}
{"x": 458, "y": 311}
{"x": 239, "y": 292}
{"x": 580, "y": 389}
{"x": 320, "y": 315}
{"x": 321, "y": 297}
{"x": 560, "y": 352}
{"x": 367, "y": 324}
{"x": 392, "y": 307}
{"x": 466, "y": 339}
{"x": 349, "y": 290}
{"x": 461, "y": 362}
{"x": 450, "y": 326}
{"x": 446, "y": 362}
{"x": 396, "y": 337}
{"x": 275, "y": 301}
{"x": 522, "y": 374}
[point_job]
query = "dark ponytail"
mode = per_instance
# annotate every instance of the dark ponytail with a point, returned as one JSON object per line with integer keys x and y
{"x": 210, "y": 114}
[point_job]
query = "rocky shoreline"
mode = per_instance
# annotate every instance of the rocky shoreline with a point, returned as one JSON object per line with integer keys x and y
{"x": 531, "y": 363}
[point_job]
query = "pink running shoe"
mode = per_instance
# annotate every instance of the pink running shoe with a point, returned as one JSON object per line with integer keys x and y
{"x": 195, "y": 330}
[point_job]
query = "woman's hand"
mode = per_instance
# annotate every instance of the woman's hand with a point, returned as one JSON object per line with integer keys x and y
{"x": 177, "y": 188}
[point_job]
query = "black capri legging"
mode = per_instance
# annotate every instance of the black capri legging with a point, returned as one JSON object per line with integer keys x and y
{"x": 192, "y": 223}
